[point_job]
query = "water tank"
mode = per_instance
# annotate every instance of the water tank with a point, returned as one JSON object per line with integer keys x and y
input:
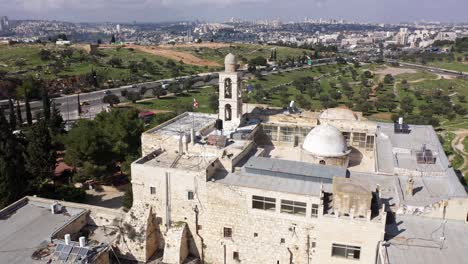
{"x": 82, "y": 241}
{"x": 67, "y": 239}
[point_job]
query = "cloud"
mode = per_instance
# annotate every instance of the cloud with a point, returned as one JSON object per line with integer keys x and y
{"x": 163, "y": 10}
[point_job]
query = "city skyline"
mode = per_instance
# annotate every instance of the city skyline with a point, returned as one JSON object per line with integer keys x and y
{"x": 211, "y": 10}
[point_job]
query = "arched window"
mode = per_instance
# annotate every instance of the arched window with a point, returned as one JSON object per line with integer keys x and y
{"x": 227, "y": 88}
{"x": 227, "y": 112}
{"x": 322, "y": 162}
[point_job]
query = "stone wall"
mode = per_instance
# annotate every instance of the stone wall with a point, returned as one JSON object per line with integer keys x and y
{"x": 176, "y": 249}
{"x": 258, "y": 236}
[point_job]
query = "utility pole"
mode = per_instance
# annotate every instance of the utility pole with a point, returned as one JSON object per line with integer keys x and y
{"x": 79, "y": 105}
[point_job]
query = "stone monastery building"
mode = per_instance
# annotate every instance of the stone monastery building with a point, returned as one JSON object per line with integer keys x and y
{"x": 265, "y": 185}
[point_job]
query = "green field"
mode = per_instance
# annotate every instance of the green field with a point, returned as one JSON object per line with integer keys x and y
{"x": 22, "y": 60}
{"x": 451, "y": 65}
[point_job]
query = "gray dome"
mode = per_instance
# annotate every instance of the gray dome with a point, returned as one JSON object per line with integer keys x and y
{"x": 325, "y": 141}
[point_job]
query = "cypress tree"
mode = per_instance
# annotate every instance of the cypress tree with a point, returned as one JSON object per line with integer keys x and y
{"x": 28, "y": 107}
{"x": 56, "y": 121}
{"x": 46, "y": 104}
{"x": 13, "y": 183}
{"x": 18, "y": 113}
{"x": 79, "y": 105}
{"x": 12, "y": 116}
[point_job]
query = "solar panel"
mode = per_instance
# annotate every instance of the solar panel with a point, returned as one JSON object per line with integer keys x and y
{"x": 65, "y": 252}
{"x": 59, "y": 247}
{"x": 75, "y": 250}
{"x": 83, "y": 252}
{"x": 425, "y": 157}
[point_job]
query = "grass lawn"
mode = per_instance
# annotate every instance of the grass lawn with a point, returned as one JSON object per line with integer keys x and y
{"x": 416, "y": 76}
{"x": 182, "y": 102}
{"x": 454, "y": 66}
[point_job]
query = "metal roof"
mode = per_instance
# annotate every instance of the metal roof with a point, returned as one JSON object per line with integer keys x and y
{"x": 293, "y": 169}
{"x": 282, "y": 176}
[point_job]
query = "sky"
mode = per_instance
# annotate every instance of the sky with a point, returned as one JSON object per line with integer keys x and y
{"x": 388, "y": 11}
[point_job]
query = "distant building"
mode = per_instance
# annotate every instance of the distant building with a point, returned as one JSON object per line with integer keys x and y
{"x": 402, "y": 37}
{"x": 63, "y": 42}
{"x": 4, "y": 23}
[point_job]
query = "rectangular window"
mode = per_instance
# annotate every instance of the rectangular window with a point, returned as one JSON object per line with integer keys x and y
{"x": 287, "y": 134}
{"x": 190, "y": 195}
{"x": 370, "y": 143}
{"x": 264, "y": 203}
{"x": 315, "y": 209}
{"x": 359, "y": 139}
{"x": 152, "y": 190}
{"x": 345, "y": 251}
{"x": 227, "y": 232}
{"x": 271, "y": 132}
{"x": 293, "y": 207}
{"x": 235, "y": 255}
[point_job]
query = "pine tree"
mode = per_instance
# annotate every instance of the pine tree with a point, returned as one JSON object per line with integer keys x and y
{"x": 18, "y": 113}
{"x": 41, "y": 157}
{"x": 12, "y": 116}
{"x": 28, "y": 108}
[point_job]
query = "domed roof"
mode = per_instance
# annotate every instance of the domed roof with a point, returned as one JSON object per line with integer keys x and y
{"x": 230, "y": 59}
{"x": 326, "y": 141}
{"x": 339, "y": 114}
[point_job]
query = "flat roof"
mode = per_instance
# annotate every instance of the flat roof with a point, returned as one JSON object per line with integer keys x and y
{"x": 398, "y": 150}
{"x": 184, "y": 123}
{"x": 27, "y": 228}
{"x": 417, "y": 239}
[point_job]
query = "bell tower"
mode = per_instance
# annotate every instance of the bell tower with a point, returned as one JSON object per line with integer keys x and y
{"x": 230, "y": 94}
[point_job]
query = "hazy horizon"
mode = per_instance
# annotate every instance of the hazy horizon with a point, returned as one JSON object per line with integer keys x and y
{"x": 122, "y": 11}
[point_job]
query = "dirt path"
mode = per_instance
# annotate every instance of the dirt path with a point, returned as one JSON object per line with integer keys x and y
{"x": 457, "y": 145}
{"x": 210, "y": 45}
{"x": 174, "y": 55}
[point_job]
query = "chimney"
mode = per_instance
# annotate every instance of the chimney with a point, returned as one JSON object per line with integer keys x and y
{"x": 67, "y": 239}
{"x": 192, "y": 135}
{"x": 82, "y": 241}
{"x": 409, "y": 186}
